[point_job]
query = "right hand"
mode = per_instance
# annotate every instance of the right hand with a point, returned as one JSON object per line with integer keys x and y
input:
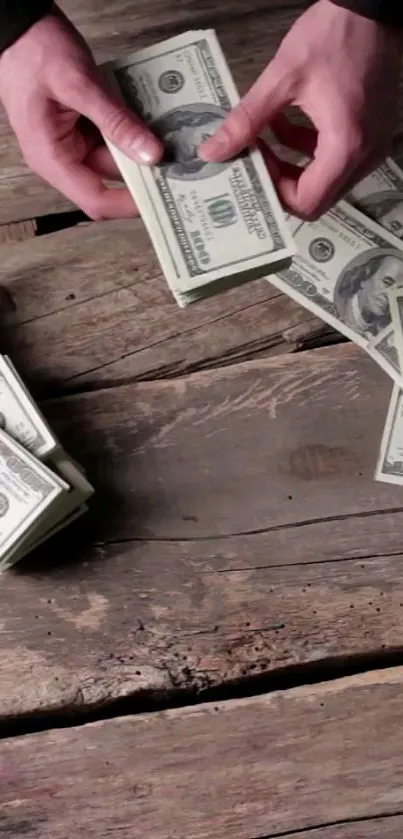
{"x": 58, "y": 109}
{"x": 342, "y": 70}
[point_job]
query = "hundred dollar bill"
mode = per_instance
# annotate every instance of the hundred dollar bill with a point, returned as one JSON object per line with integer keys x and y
{"x": 71, "y": 506}
{"x": 380, "y": 196}
{"x": 28, "y": 492}
{"x": 396, "y": 310}
{"x": 387, "y": 347}
{"x": 345, "y": 265}
{"x": 213, "y": 226}
{"x": 390, "y": 461}
{"x": 383, "y": 350}
{"x": 79, "y": 491}
{"x": 19, "y": 415}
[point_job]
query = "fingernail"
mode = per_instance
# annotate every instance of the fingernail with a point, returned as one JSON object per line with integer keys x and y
{"x": 147, "y": 149}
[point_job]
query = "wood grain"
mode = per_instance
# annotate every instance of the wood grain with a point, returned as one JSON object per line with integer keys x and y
{"x": 265, "y": 767}
{"x": 387, "y": 828}
{"x": 236, "y": 533}
{"x": 97, "y": 297}
{"x": 220, "y": 452}
{"x": 85, "y": 626}
{"x": 248, "y": 38}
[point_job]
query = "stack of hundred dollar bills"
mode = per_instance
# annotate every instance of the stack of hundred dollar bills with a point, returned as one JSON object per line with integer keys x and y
{"x": 41, "y": 489}
{"x": 214, "y": 226}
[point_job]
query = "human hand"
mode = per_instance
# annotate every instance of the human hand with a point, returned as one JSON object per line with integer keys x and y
{"x": 58, "y": 108}
{"x": 342, "y": 70}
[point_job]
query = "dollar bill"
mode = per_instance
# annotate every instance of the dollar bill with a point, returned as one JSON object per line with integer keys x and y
{"x": 380, "y": 196}
{"x": 213, "y": 226}
{"x": 19, "y": 415}
{"x": 344, "y": 267}
{"x": 28, "y": 491}
{"x": 389, "y": 467}
{"x": 79, "y": 491}
{"x": 396, "y": 310}
{"x": 383, "y": 350}
{"x": 56, "y": 486}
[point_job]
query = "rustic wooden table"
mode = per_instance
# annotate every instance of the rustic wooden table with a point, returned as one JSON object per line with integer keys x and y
{"x": 216, "y": 651}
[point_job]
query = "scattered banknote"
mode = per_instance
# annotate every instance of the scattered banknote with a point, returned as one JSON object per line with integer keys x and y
{"x": 41, "y": 488}
{"x": 342, "y": 272}
{"x": 213, "y": 226}
{"x": 380, "y": 196}
{"x": 396, "y": 310}
{"x": 390, "y": 462}
{"x": 383, "y": 350}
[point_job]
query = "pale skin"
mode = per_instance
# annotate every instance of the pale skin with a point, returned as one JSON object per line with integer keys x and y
{"x": 341, "y": 69}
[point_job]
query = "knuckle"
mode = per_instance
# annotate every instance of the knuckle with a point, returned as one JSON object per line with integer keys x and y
{"x": 117, "y": 127}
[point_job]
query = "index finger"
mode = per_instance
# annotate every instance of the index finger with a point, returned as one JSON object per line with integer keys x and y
{"x": 265, "y": 99}
{"x": 318, "y": 186}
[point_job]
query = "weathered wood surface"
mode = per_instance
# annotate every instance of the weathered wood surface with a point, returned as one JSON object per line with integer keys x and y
{"x": 268, "y": 766}
{"x": 17, "y": 231}
{"x": 236, "y": 532}
{"x": 390, "y": 827}
{"x": 248, "y": 36}
{"x": 95, "y": 296}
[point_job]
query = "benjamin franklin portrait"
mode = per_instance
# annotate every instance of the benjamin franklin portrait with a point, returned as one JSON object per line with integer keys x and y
{"x": 182, "y": 131}
{"x": 360, "y": 295}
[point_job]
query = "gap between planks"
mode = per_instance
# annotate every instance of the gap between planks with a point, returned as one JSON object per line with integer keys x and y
{"x": 317, "y": 758}
{"x": 292, "y": 678}
{"x": 144, "y": 617}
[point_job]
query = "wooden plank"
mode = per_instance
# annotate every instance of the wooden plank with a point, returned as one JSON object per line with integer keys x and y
{"x": 390, "y": 827}
{"x": 249, "y": 39}
{"x": 221, "y": 451}
{"x": 236, "y": 533}
{"x": 85, "y": 627}
{"x": 267, "y": 766}
{"x": 96, "y": 295}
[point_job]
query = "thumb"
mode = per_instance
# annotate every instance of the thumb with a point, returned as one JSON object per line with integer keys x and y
{"x": 263, "y": 102}
{"x": 121, "y": 126}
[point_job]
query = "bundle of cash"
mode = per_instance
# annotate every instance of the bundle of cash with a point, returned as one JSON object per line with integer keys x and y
{"x": 213, "y": 226}
{"x": 390, "y": 462}
{"x": 41, "y": 488}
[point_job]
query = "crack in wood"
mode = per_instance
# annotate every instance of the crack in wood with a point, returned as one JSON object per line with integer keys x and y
{"x": 191, "y": 688}
{"x": 326, "y": 825}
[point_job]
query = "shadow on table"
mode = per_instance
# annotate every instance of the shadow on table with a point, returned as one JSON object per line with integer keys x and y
{"x": 114, "y": 514}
